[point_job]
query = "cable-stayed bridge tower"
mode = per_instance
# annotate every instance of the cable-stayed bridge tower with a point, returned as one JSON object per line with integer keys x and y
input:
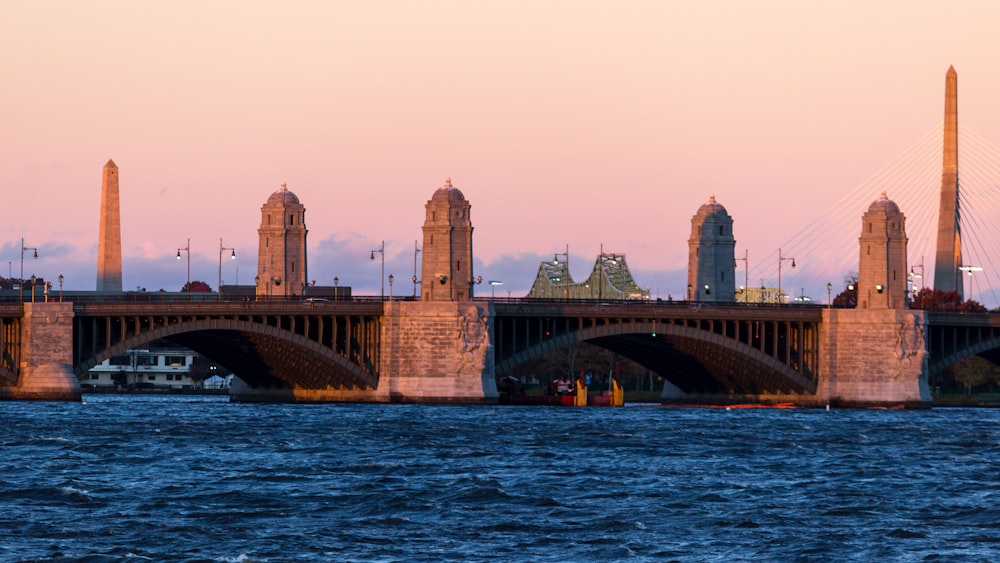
{"x": 948, "y": 256}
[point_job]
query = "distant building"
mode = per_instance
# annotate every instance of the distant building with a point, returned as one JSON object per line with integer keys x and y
{"x": 610, "y": 279}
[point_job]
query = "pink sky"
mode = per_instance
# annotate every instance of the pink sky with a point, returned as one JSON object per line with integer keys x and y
{"x": 580, "y": 123}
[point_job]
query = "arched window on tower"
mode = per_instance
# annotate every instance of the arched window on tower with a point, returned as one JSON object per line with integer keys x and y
{"x": 291, "y": 219}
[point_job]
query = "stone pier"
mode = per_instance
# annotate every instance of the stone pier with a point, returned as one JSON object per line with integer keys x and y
{"x": 437, "y": 352}
{"x": 874, "y": 357}
{"x": 46, "y": 368}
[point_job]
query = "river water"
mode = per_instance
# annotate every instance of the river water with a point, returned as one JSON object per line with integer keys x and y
{"x": 196, "y": 478}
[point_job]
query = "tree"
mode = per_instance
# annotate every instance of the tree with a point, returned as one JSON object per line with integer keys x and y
{"x": 849, "y": 297}
{"x": 973, "y": 372}
{"x": 197, "y": 286}
{"x": 937, "y": 300}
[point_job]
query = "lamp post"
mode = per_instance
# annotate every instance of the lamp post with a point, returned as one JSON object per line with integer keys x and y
{"x": 780, "y": 260}
{"x": 61, "y": 278}
{"x": 391, "y": 277}
{"x": 381, "y": 252}
{"x": 256, "y": 285}
{"x": 415, "y": 282}
{"x": 221, "y": 250}
{"x": 336, "y": 287}
{"x": 33, "y": 278}
{"x": 829, "y": 288}
{"x": 20, "y": 279}
{"x": 187, "y": 250}
{"x": 913, "y": 275}
{"x": 970, "y": 270}
{"x": 474, "y": 282}
{"x": 746, "y": 270}
{"x": 493, "y": 288}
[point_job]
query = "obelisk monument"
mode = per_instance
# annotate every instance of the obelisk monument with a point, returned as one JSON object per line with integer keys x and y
{"x": 109, "y": 244}
{"x": 948, "y": 256}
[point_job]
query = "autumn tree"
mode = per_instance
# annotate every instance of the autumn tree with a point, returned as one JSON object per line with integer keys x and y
{"x": 196, "y": 286}
{"x": 937, "y": 300}
{"x": 973, "y": 372}
{"x": 848, "y": 298}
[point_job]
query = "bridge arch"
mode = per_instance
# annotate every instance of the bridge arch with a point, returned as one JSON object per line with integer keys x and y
{"x": 262, "y": 355}
{"x": 988, "y": 348}
{"x": 693, "y": 359}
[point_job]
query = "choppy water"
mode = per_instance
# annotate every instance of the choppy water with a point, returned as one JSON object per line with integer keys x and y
{"x": 201, "y": 479}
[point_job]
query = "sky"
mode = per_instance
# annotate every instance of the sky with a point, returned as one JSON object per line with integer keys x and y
{"x": 580, "y": 125}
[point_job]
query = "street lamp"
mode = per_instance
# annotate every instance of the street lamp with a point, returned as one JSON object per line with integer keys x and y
{"x": 493, "y": 288}
{"x": 970, "y": 270}
{"x": 391, "y": 277}
{"x": 829, "y": 288}
{"x": 33, "y": 278}
{"x": 415, "y": 282}
{"x": 20, "y": 279}
{"x": 913, "y": 275}
{"x": 780, "y": 260}
{"x": 473, "y": 283}
{"x": 256, "y": 286}
{"x": 187, "y": 250}
{"x": 61, "y": 278}
{"x": 746, "y": 270}
{"x": 336, "y": 287}
{"x": 381, "y": 251}
{"x": 221, "y": 250}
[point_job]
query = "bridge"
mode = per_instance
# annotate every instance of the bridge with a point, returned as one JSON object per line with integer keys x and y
{"x": 358, "y": 350}
{"x": 448, "y": 346}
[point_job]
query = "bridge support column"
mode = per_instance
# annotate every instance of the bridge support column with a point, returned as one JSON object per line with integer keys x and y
{"x": 874, "y": 357}
{"x": 46, "y": 368}
{"x": 437, "y": 352}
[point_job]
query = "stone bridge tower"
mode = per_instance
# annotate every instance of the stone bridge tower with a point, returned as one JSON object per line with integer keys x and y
{"x": 876, "y": 353}
{"x": 712, "y": 255}
{"x": 439, "y": 349}
{"x": 447, "y": 260}
{"x": 281, "y": 251}
{"x": 882, "y": 265}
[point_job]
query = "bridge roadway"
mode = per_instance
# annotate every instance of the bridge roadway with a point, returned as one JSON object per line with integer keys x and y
{"x": 699, "y": 348}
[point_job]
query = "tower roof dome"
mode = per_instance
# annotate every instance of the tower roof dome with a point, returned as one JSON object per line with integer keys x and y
{"x": 448, "y": 193}
{"x": 883, "y": 205}
{"x": 283, "y": 197}
{"x": 711, "y": 208}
